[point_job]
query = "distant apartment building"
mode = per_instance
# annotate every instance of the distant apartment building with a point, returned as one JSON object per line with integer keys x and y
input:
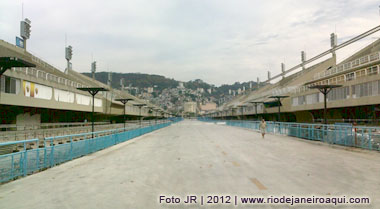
{"x": 190, "y": 107}
{"x": 210, "y": 106}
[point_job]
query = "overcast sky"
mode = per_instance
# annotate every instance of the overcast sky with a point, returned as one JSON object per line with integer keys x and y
{"x": 218, "y": 41}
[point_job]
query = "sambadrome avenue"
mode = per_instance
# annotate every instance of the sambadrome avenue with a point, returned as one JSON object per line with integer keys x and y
{"x": 189, "y": 104}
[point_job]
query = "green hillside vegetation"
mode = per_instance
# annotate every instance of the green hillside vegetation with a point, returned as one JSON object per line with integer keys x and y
{"x": 136, "y": 80}
{"x": 160, "y": 82}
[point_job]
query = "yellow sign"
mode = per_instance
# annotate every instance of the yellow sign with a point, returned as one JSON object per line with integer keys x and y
{"x": 28, "y": 89}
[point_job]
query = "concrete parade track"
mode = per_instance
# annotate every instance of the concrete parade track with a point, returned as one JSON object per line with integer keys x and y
{"x": 201, "y": 159}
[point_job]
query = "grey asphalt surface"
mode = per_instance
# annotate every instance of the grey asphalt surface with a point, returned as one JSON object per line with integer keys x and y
{"x": 201, "y": 159}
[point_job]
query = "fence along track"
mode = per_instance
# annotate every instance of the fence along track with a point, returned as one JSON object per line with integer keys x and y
{"x": 28, "y": 161}
{"x": 344, "y": 134}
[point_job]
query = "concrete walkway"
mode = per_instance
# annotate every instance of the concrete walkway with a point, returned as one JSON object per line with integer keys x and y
{"x": 201, "y": 159}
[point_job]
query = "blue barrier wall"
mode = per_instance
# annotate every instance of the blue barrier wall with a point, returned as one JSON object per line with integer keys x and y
{"x": 346, "y": 135}
{"x": 26, "y": 162}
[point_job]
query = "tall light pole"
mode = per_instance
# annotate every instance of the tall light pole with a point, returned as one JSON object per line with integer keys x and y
{"x": 93, "y": 69}
{"x": 93, "y": 91}
{"x": 325, "y": 89}
{"x": 25, "y": 30}
{"x": 124, "y": 101}
{"x": 278, "y": 98}
{"x": 68, "y": 55}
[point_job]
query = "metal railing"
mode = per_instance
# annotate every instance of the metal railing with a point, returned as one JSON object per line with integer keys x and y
{"x": 53, "y": 130}
{"x": 357, "y": 63}
{"x": 365, "y": 60}
{"x": 25, "y": 162}
{"x": 15, "y": 127}
{"x": 38, "y": 73}
{"x": 340, "y": 134}
{"x": 350, "y": 121}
